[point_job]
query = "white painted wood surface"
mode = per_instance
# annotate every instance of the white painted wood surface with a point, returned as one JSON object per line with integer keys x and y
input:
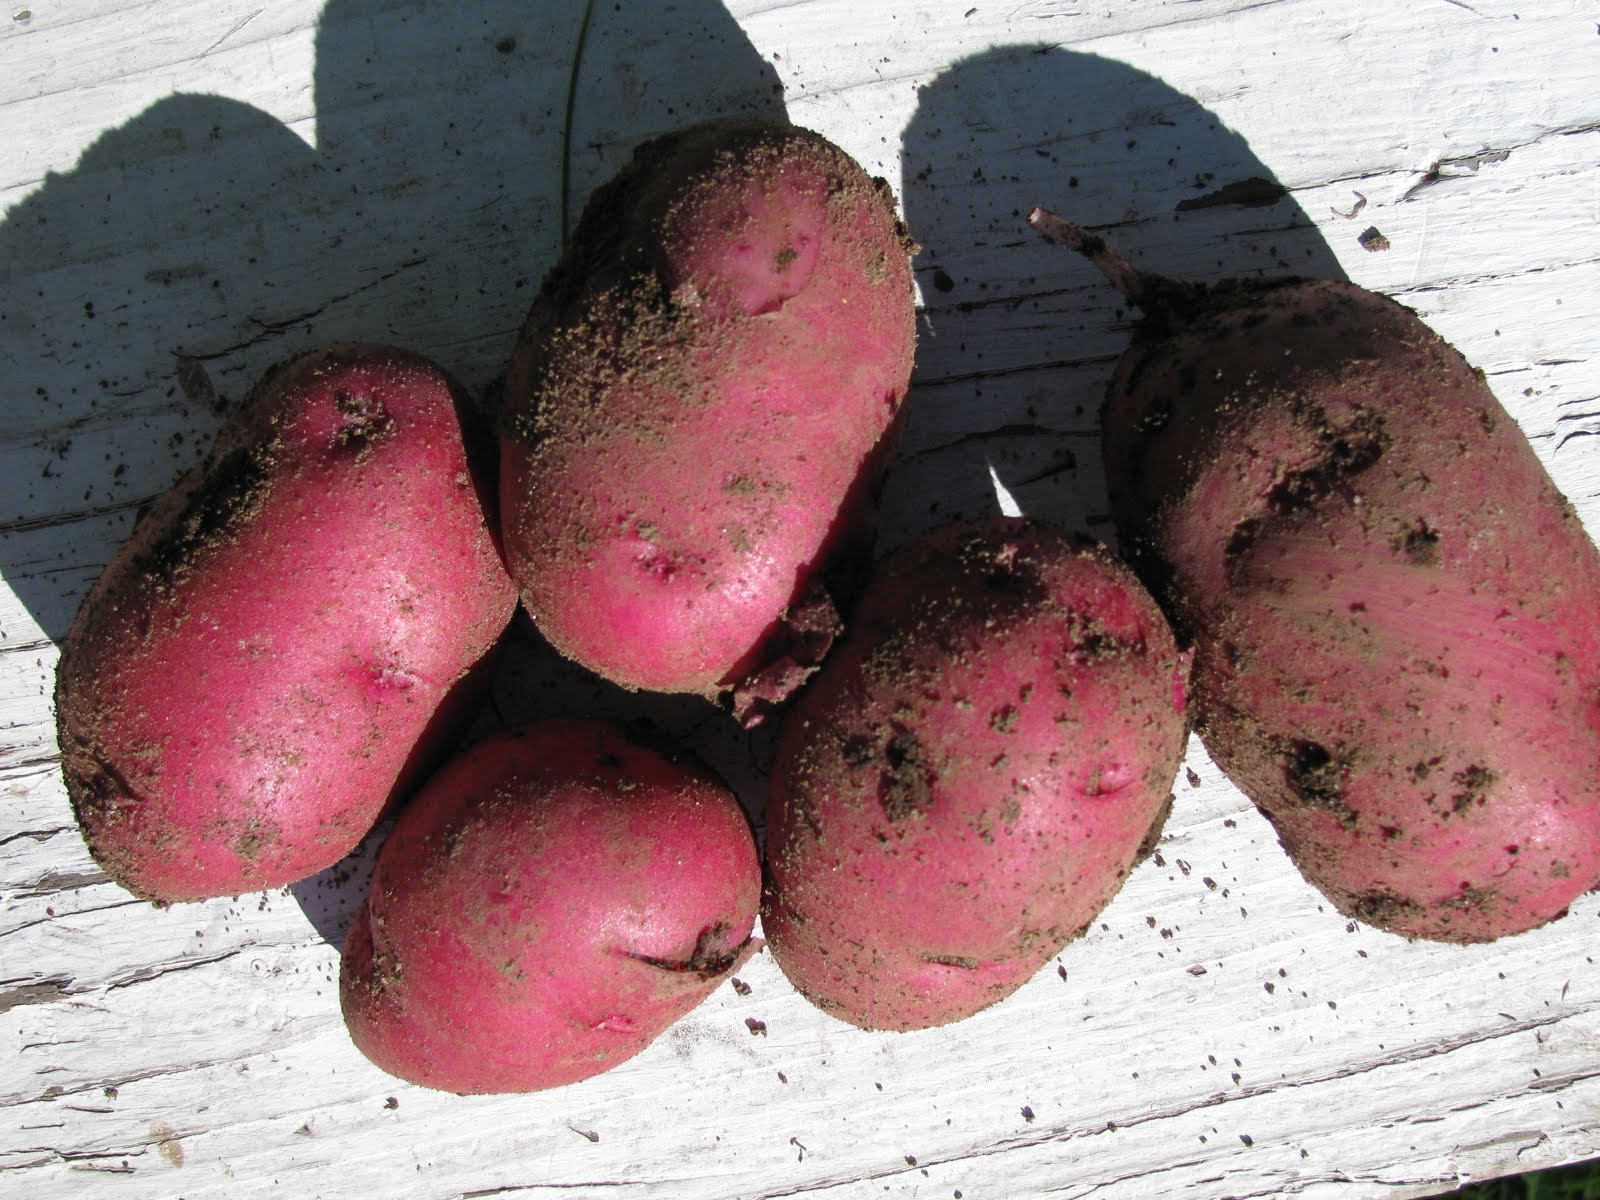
{"x": 194, "y": 190}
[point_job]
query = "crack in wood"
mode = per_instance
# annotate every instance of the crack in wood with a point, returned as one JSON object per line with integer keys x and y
{"x": 47, "y": 764}
{"x": 1523, "y": 1139}
{"x": 1573, "y": 435}
{"x": 75, "y": 1156}
{"x": 145, "y": 974}
{"x": 14, "y": 994}
{"x": 512, "y": 1189}
{"x": 58, "y": 520}
{"x": 104, "y": 418}
{"x": 1446, "y": 169}
{"x": 37, "y": 835}
{"x": 1063, "y": 464}
{"x": 95, "y": 908}
{"x": 161, "y": 1135}
{"x": 1299, "y": 1182}
{"x": 53, "y": 883}
{"x": 1378, "y": 174}
{"x": 1013, "y": 429}
{"x": 277, "y": 327}
{"x": 1007, "y": 304}
{"x": 1065, "y": 364}
{"x": 1132, "y": 1176}
{"x": 1171, "y": 23}
{"x": 1456, "y": 282}
{"x": 25, "y": 647}
{"x": 1064, "y": 460}
{"x": 1254, "y": 192}
{"x": 56, "y": 1092}
{"x": 232, "y": 31}
{"x": 1559, "y": 1083}
{"x": 50, "y": 1157}
{"x": 51, "y": 988}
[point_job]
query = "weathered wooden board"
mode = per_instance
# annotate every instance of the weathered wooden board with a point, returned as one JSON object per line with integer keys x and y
{"x": 192, "y": 191}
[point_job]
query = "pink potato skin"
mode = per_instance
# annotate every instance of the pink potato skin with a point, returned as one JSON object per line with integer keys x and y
{"x": 701, "y": 405}
{"x": 555, "y": 898}
{"x": 289, "y": 634}
{"x": 1394, "y": 609}
{"x": 969, "y": 778}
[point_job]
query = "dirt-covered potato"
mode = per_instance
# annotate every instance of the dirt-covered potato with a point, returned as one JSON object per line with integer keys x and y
{"x": 1394, "y": 610}
{"x": 288, "y": 634}
{"x": 971, "y": 775}
{"x": 700, "y": 407}
{"x": 553, "y": 899}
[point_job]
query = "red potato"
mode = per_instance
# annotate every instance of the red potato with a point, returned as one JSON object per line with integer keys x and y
{"x": 288, "y": 634}
{"x": 969, "y": 778}
{"x": 1394, "y": 609}
{"x": 550, "y": 903}
{"x": 700, "y": 406}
